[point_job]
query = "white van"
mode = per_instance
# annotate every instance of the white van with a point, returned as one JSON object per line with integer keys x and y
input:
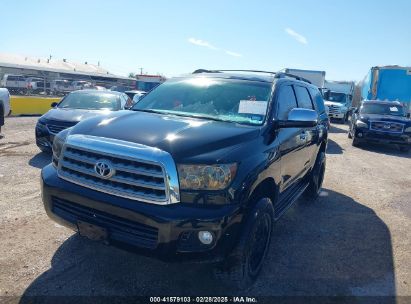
{"x": 4, "y": 105}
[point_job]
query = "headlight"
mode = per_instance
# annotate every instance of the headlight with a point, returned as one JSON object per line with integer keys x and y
{"x": 361, "y": 124}
{"x": 58, "y": 144}
{"x": 407, "y": 129}
{"x": 206, "y": 177}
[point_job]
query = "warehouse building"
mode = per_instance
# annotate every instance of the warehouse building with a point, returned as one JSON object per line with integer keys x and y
{"x": 51, "y": 69}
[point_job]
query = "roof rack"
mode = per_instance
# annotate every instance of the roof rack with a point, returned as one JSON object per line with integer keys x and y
{"x": 219, "y": 71}
{"x": 276, "y": 74}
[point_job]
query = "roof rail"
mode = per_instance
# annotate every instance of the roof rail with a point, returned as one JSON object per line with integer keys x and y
{"x": 277, "y": 74}
{"x": 219, "y": 71}
{"x": 283, "y": 75}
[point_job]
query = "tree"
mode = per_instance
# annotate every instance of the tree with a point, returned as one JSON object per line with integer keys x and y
{"x": 131, "y": 75}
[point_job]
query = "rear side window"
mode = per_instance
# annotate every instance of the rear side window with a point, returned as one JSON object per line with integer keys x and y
{"x": 286, "y": 102}
{"x": 317, "y": 99}
{"x": 303, "y": 98}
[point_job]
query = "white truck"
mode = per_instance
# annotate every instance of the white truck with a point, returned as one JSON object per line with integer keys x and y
{"x": 317, "y": 78}
{"x": 338, "y": 98}
{"x": 4, "y": 105}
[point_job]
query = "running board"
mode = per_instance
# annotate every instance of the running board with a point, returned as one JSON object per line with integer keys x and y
{"x": 289, "y": 200}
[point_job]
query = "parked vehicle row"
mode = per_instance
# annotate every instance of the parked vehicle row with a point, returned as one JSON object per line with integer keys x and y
{"x": 22, "y": 85}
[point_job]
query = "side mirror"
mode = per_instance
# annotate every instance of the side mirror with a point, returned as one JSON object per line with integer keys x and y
{"x": 299, "y": 118}
{"x": 54, "y": 104}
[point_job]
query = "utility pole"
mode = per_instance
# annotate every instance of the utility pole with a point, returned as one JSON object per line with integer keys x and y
{"x": 141, "y": 71}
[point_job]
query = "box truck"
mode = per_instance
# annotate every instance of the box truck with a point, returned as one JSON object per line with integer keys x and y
{"x": 392, "y": 83}
{"x": 338, "y": 98}
{"x": 317, "y": 78}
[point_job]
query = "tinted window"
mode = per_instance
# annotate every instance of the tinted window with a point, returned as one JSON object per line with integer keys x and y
{"x": 303, "y": 98}
{"x": 286, "y": 102}
{"x": 91, "y": 101}
{"x": 224, "y": 99}
{"x": 317, "y": 99}
{"x": 12, "y": 78}
{"x": 382, "y": 109}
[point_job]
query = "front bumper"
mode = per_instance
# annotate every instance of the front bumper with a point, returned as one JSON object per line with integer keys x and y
{"x": 367, "y": 135}
{"x": 166, "y": 232}
{"x": 336, "y": 115}
{"x": 44, "y": 139}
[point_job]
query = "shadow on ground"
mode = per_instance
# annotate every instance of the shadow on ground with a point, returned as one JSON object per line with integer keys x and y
{"x": 334, "y": 246}
{"x": 40, "y": 160}
{"x": 391, "y": 150}
{"x": 334, "y": 148}
{"x": 336, "y": 129}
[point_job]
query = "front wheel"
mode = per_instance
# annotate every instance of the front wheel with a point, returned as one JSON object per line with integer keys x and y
{"x": 242, "y": 267}
{"x": 355, "y": 142}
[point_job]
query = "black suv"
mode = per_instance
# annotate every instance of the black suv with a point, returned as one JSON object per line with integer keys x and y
{"x": 199, "y": 170}
{"x": 381, "y": 122}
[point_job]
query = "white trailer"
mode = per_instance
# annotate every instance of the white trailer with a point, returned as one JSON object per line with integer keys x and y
{"x": 317, "y": 78}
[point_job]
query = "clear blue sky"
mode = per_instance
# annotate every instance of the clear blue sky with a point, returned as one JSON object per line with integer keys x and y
{"x": 344, "y": 38}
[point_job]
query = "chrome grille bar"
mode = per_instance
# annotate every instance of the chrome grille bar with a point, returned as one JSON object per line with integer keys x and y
{"x": 139, "y": 172}
{"x": 387, "y": 126}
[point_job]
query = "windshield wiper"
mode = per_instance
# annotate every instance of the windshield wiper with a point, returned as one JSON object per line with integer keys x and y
{"x": 148, "y": 111}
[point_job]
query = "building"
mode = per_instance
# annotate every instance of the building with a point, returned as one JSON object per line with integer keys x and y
{"x": 51, "y": 69}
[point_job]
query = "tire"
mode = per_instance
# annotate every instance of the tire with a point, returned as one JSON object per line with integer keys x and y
{"x": 1, "y": 114}
{"x": 405, "y": 149}
{"x": 349, "y": 134}
{"x": 355, "y": 142}
{"x": 316, "y": 178}
{"x": 242, "y": 267}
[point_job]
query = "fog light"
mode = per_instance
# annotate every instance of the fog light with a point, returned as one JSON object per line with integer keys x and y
{"x": 359, "y": 134}
{"x": 205, "y": 237}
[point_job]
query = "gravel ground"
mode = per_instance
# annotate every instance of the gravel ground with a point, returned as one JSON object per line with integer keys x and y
{"x": 354, "y": 240}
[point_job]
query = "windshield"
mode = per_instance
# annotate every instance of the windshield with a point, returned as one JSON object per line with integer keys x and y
{"x": 90, "y": 101}
{"x": 221, "y": 99}
{"x": 382, "y": 109}
{"x": 336, "y": 97}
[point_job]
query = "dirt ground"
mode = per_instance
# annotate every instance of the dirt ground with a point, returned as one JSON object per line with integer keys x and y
{"x": 354, "y": 240}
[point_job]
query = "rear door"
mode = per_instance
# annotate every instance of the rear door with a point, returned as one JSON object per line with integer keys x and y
{"x": 291, "y": 140}
{"x": 311, "y": 134}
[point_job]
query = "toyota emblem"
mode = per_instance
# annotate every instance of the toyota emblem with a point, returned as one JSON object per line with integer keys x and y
{"x": 104, "y": 169}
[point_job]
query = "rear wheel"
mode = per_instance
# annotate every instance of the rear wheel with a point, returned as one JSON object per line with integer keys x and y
{"x": 316, "y": 178}
{"x": 242, "y": 267}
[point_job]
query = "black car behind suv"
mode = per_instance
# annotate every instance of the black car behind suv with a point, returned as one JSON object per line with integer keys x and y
{"x": 199, "y": 170}
{"x": 381, "y": 122}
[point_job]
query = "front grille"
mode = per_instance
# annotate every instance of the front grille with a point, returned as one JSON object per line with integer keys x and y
{"x": 334, "y": 110}
{"x": 119, "y": 229}
{"x": 141, "y": 178}
{"x": 57, "y": 128}
{"x": 385, "y": 126}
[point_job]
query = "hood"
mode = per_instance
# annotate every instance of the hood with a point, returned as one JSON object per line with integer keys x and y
{"x": 73, "y": 115}
{"x": 392, "y": 118}
{"x": 333, "y": 103}
{"x": 187, "y": 139}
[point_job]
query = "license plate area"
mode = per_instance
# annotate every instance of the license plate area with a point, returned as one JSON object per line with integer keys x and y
{"x": 92, "y": 232}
